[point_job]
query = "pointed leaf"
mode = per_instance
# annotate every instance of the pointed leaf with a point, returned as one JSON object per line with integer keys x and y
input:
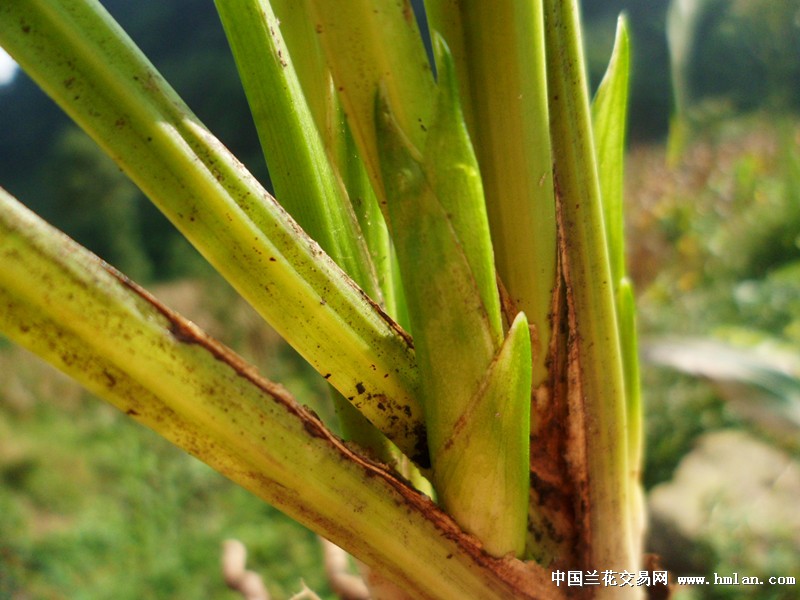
{"x": 609, "y": 118}
{"x": 498, "y": 52}
{"x": 454, "y": 342}
{"x": 438, "y": 223}
{"x": 452, "y": 169}
{"x": 485, "y": 460}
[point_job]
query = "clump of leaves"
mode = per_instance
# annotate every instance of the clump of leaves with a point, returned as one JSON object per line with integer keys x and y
{"x": 404, "y": 199}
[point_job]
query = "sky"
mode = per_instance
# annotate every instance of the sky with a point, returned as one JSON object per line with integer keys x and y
{"x": 7, "y": 67}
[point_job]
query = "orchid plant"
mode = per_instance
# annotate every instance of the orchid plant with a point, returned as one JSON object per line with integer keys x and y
{"x": 444, "y": 245}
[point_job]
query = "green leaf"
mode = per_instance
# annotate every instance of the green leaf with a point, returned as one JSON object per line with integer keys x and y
{"x": 295, "y": 26}
{"x": 304, "y": 180}
{"x": 307, "y": 57}
{"x": 609, "y": 112}
{"x": 609, "y": 119}
{"x": 80, "y": 57}
{"x": 454, "y": 341}
{"x": 476, "y": 395}
{"x": 629, "y": 339}
{"x": 369, "y": 44}
{"x": 452, "y": 169}
{"x": 485, "y": 460}
{"x": 498, "y": 52}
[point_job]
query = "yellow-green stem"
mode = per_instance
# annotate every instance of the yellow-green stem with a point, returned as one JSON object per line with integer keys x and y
{"x": 597, "y": 396}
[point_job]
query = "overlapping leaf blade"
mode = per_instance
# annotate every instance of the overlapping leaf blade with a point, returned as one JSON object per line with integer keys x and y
{"x": 86, "y": 63}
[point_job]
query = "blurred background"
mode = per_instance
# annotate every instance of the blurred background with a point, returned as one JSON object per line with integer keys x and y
{"x": 95, "y": 506}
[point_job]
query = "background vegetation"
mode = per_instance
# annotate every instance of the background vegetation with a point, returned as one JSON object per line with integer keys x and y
{"x": 94, "y": 506}
{"x": 717, "y": 241}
